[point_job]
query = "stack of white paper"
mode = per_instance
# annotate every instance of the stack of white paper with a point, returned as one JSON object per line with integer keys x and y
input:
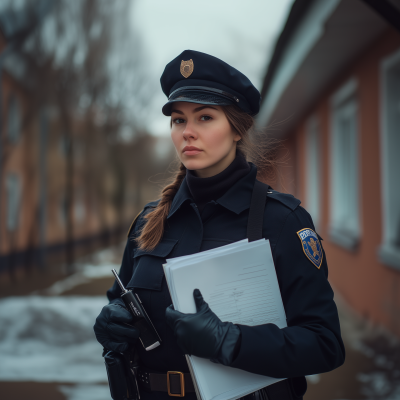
{"x": 239, "y": 283}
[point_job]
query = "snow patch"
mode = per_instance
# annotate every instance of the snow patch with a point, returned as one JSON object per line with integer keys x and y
{"x": 86, "y": 274}
{"x": 376, "y": 385}
{"x": 86, "y": 392}
{"x": 50, "y": 339}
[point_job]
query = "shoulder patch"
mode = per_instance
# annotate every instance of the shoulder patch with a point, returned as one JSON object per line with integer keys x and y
{"x": 311, "y": 246}
{"x": 133, "y": 224}
{"x": 286, "y": 199}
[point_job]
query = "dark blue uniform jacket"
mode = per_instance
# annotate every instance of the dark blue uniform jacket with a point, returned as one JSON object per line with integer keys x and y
{"x": 310, "y": 344}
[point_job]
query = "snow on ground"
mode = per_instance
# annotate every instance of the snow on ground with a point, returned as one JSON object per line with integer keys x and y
{"x": 50, "y": 339}
{"x": 375, "y": 343}
{"x": 85, "y": 274}
{"x": 86, "y": 392}
{"x": 100, "y": 265}
{"x": 378, "y": 386}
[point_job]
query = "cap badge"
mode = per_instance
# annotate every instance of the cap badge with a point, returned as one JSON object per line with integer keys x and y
{"x": 187, "y": 68}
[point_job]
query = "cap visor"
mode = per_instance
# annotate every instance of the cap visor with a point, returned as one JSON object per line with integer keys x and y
{"x": 167, "y": 108}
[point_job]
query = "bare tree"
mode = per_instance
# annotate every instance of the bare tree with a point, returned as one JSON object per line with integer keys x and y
{"x": 82, "y": 60}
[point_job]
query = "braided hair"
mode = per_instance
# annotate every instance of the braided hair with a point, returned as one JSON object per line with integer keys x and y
{"x": 153, "y": 230}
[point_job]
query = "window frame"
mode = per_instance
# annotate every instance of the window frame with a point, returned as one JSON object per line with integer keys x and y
{"x": 388, "y": 253}
{"x": 313, "y": 166}
{"x": 344, "y": 101}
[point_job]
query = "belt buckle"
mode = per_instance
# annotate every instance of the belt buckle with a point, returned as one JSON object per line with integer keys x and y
{"x": 182, "y": 381}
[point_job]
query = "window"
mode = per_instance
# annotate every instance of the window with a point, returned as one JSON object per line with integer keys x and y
{"x": 344, "y": 226}
{"x": 14, "y": 120}
{"x": 389, "y": 251}
{"x": 313, "y": 170}
{"x": 13, "y": 188}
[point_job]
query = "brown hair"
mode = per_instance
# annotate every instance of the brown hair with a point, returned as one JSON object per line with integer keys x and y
{"x": 260, "y": 154}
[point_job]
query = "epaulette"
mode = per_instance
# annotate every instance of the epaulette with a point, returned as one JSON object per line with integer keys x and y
{"x": 133, "y": 224}
{"x": 151, "y": 204}
{"x": 286, "y": 199}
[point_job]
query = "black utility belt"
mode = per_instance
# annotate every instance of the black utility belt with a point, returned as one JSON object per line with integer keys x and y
{"x": 177, "y": 384}
{"x": 174, "y": 382}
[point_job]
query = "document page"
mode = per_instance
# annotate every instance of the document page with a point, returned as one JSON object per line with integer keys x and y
{"x": 246, "y": 298}
{"x": 240, "y": 286}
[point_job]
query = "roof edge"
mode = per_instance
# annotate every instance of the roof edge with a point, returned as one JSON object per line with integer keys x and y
{"x": 303, "y": 28}
{"x": 298, "y": 10}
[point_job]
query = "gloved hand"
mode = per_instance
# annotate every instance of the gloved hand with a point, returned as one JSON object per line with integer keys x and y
{"x": 203, "y": 334}
{"x": 113, "y": 330}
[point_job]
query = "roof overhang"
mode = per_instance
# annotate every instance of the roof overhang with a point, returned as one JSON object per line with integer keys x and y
{"x": 329, "y": 36}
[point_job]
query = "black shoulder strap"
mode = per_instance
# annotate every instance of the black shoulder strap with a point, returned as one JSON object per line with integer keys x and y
{"x": 256, "y": 213}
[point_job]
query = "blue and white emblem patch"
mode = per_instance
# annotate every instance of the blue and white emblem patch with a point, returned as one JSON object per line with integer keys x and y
{"x": 311, "y": 246}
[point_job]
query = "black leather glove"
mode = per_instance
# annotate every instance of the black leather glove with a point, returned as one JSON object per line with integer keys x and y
{"x": 112, "y": 328}
{"x": 203, "y": 334}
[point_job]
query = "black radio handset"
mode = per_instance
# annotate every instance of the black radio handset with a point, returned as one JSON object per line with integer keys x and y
{"x": 141, "y": 321}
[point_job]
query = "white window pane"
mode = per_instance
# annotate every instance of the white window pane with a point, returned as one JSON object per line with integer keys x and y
{"x": 393, "y": 156}
{"x": 313, "y": 171}
{"x": 344, "y": 207}
{"x": 391, "y": 160}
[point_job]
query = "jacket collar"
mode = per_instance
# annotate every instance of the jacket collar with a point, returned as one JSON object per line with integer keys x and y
{"x": 181, "y": 196}
{"x": 236, "y": 199}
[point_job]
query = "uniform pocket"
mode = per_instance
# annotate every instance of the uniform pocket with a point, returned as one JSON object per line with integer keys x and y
{"x": 148, "y": 270}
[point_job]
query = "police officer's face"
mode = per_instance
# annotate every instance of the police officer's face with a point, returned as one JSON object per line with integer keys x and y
{"x": 203, "y": 137}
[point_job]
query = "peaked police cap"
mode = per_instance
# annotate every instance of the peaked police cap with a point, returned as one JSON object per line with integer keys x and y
{"x": 197, "y": 77}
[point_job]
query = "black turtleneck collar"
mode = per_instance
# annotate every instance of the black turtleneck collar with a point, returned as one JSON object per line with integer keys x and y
{"x": 204, "y": 190}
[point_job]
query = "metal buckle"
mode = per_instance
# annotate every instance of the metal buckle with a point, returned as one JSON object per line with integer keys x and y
{"x": 182, "y": 381}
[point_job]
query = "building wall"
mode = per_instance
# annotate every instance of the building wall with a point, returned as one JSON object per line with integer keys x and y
{"x": 371, "y": 288}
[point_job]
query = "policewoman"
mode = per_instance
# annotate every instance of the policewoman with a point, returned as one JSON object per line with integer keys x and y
{"x": 211, "y": 106}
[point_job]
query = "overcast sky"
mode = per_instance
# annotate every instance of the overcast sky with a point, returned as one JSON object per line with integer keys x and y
{"x": 240, "y": 32}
